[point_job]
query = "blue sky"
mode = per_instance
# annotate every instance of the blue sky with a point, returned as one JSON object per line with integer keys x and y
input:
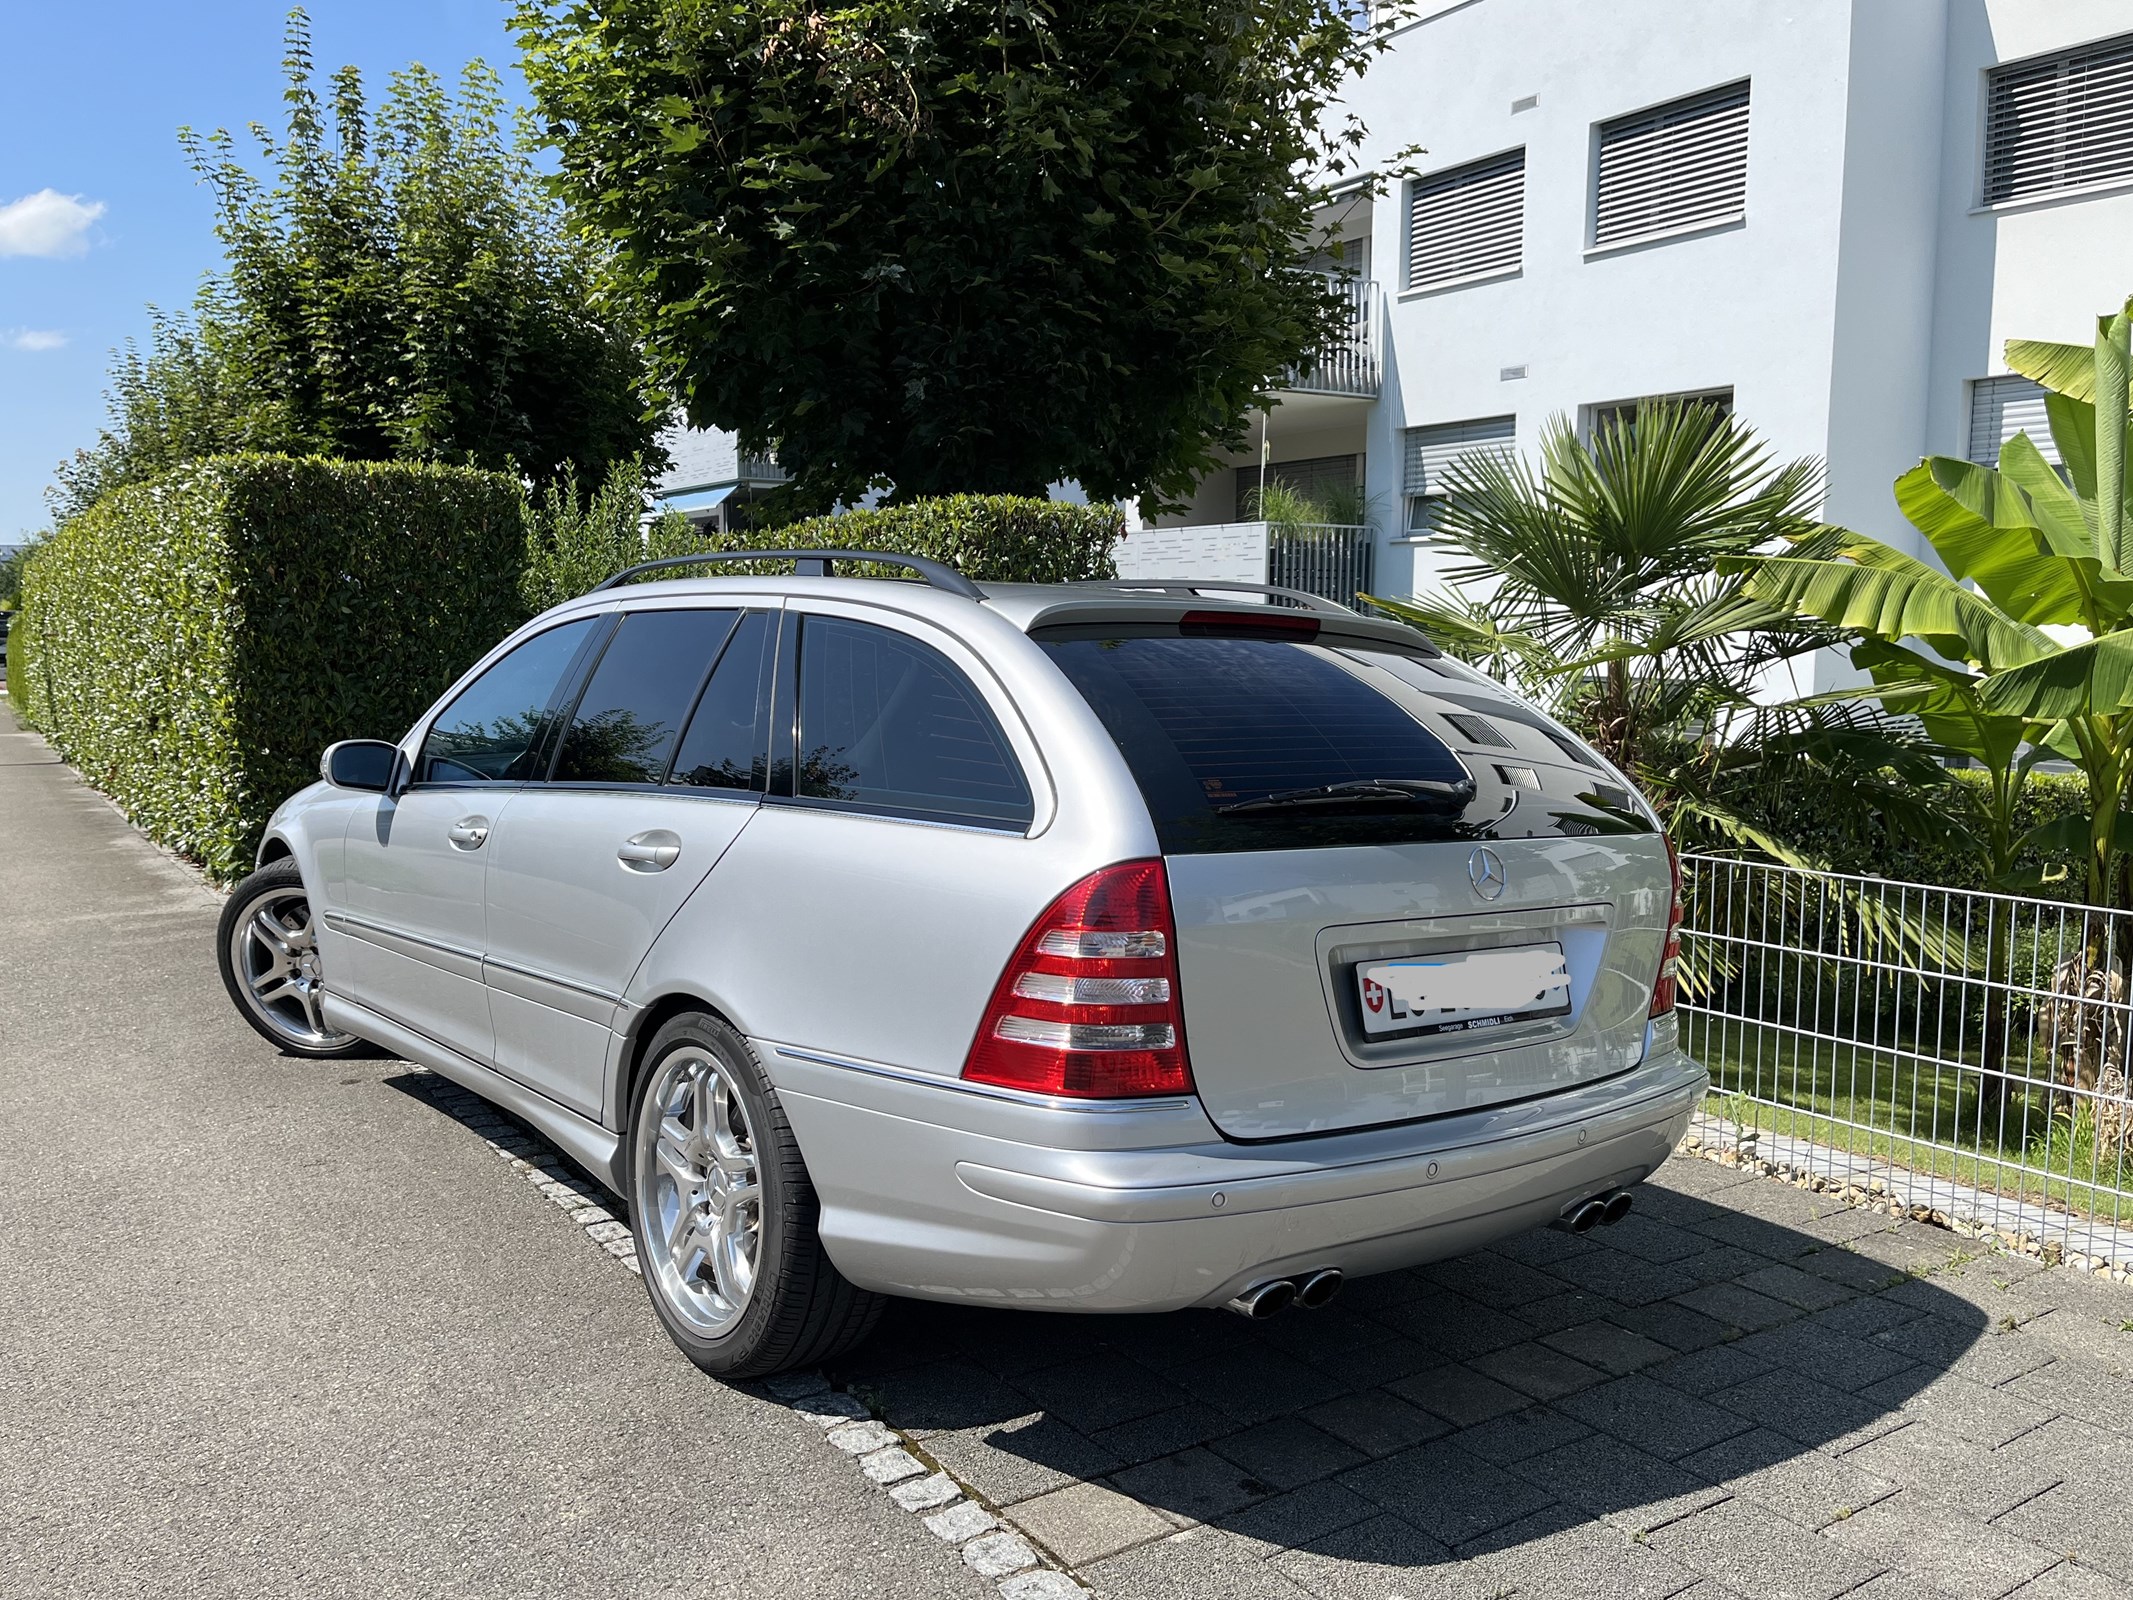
{"x": 99, "y": 216}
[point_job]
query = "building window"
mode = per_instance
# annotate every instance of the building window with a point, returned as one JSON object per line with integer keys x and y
{"x": 2062, "y": 121}
{"x": 2000, "y": 408}
{"x": 1469, "y": 222}
{"x": 1433, "y": 451}
{"x": 1328, "y": 481}
{"x": 1673, "y": 168}
{"x": 1614, "y": 413}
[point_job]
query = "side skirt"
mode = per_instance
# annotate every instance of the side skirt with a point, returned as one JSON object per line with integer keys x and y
{"x": 591, "y": 1146}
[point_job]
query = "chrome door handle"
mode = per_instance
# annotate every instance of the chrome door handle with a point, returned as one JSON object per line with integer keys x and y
{"x": 469, "y": 833}
{"x": 653, "y": 851}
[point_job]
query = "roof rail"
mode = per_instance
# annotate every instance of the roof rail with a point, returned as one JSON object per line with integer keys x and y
{"x": 1200, "y": 586}
{"x": 808, "y": 564}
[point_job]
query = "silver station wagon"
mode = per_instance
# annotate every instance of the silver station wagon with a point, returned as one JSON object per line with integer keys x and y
{"x": 1094, "y": 947}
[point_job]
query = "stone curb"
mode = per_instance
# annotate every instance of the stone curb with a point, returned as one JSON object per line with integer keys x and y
{"x": 1712, "y": 1139}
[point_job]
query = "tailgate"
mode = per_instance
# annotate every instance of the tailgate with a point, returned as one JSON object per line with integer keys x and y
{"x": 1272, "y": 948}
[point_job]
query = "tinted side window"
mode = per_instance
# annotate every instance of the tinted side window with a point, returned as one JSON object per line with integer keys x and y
{"x": 631, "y": 712}
{"x": 726, "y": 745}
{"x": 492, "y": 731}
{"x": 887, "y": 724}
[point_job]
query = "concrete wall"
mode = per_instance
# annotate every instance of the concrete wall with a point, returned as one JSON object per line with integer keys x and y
{"x": 699, "y": 458}
{"x": 1747, "y": 305}
{"x": 1231, "y": 551}
{"x": 1881, "y": 332}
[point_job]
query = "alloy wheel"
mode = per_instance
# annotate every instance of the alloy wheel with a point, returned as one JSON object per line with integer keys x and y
{"x": 274, "y": 952}
{"x": 700, "y": 1197}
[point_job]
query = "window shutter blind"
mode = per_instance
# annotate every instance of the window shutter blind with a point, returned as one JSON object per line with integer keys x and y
{"x": 2062, "y": 121}
{"x": 2000, "y": 408}
{"x": 1467, "y": 222}
{"x": 1680, "y": 166}
{"x": 1432, "y": 451}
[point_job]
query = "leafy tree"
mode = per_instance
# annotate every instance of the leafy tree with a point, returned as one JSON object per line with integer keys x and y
{"x": 399, "y": 285}
{"x": 575, "y": 540}
{"x": 946, "y": 246}
{"x": 1594, "y": 584}
{"x": 2028, "y": 634}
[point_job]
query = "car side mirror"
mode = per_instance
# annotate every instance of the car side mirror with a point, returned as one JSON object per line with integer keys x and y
{"x": 369, "y": 764}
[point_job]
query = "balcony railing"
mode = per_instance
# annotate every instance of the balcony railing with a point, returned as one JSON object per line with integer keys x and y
{"x": 1349, "y": 364}
{"x": 1327, "y": 559}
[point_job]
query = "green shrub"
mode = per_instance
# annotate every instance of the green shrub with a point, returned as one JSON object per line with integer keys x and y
{"x": 1831, "y": 823}
{"x": 988, "y": 538}
{"x": 197, "y": 640}
{"x": 574, "y": 541}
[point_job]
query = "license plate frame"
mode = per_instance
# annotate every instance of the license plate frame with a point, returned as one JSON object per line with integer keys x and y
{"x": 1398, "y": 980}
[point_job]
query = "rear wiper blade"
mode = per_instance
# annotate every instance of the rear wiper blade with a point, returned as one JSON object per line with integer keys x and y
{"x": 1449, "y": 797}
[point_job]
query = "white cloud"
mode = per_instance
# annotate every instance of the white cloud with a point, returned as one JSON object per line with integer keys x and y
{"x": 35, "y": 339}
{"x": 47, "y": 223}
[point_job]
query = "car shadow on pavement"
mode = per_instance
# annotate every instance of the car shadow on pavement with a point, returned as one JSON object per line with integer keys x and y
{"x": 1743, "y": 1378}
{"x": 1742, "y": 1387}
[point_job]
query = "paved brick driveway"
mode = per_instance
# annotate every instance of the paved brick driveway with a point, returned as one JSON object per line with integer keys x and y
{"x": 1743, "y": 1389}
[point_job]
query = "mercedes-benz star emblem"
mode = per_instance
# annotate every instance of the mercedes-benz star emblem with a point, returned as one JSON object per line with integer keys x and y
{"x": 1485, "y": 868}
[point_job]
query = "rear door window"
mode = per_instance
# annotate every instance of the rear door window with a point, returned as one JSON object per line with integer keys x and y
{"x": 889, "y": 725}
{"x": 1251, "y": 742}
{"x": 630, "y": 715}
{"x": 726, "y": 746}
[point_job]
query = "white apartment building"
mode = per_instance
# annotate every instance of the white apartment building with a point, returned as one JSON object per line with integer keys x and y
{"x": 1830, "y": 213}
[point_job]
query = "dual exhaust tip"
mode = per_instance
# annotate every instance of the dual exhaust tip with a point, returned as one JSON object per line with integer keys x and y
{"x": 1276, "y": 1295}
{"x": 1314, "y": 1289}
{"x": 1600, "y": 1211}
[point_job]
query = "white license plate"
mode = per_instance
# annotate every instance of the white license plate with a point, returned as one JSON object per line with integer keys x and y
{"x": 1464, "y": 990}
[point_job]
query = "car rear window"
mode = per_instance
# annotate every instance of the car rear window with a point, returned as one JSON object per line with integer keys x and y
{"x": 1227, "y": 738}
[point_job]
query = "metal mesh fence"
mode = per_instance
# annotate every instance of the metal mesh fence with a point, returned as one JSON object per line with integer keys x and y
{"x": 1961, "y": 1051}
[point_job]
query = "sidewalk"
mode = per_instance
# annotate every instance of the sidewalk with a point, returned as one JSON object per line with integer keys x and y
{"x": 280, "y": 1328}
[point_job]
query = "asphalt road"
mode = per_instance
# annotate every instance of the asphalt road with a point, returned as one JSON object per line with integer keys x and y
{"x": 271, "y": 1327}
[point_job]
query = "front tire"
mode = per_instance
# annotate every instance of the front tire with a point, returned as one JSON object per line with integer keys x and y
{"x": 725, "y": 1215}
{"x": 266, "y": 946}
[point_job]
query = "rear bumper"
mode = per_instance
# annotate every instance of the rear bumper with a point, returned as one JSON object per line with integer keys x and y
{"x": 930, "y": 1191}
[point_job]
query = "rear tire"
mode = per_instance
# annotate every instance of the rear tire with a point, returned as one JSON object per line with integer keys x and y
{"x": 725, "y": 1215}
{"x": 266, "y": 946}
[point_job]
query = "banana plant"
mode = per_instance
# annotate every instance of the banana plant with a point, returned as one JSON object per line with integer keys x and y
{"x": 2029, "y": 630}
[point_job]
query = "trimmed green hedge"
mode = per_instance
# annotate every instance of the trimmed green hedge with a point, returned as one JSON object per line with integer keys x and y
{"x": 196, "y": 641}
{"x": 191, "y": 644}
{"x": 988, "y": 538}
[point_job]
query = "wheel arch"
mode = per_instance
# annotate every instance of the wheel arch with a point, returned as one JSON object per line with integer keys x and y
{"x": 644, "y": 1027}
{"x": 273, "y": 848}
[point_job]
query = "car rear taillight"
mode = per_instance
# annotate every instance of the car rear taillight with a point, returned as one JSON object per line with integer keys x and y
{"x": 1670, "y": 956}
{"x": 1089, "y": 1004}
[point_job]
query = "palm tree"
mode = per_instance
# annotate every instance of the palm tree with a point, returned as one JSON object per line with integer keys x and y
{"x": 1596, "y": 585}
